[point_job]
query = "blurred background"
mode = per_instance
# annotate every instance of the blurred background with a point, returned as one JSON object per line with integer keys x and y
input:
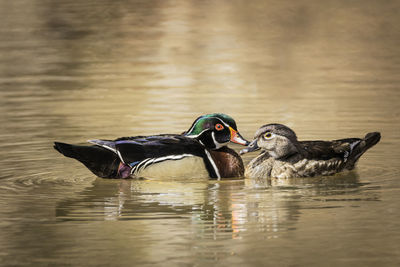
{"x": 77, "y": 70}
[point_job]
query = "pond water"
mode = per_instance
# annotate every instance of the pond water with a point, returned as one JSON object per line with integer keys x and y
{"x": 77, "y": 70}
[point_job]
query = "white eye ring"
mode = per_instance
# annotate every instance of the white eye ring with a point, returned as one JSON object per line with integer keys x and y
{"x": 268, "y": 135}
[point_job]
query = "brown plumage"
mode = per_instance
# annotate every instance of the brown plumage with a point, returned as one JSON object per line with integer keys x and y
{"x": 228, "y": 162}
{"x": 284, "y": 156}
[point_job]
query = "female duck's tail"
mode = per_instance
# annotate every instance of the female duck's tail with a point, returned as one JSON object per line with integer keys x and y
{"x": 361, "y": 147}
{"x": 102, "y": 162}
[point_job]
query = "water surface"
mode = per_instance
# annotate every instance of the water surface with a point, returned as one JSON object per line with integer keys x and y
{"x": 72, "y": 71}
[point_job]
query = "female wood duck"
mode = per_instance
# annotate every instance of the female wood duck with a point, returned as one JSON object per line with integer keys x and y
{"x": 200, "y": 152}
{"x": 283, "y": 156}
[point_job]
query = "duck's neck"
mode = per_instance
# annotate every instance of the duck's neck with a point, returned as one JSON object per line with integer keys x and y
{"x": 284, "y": 151}
{"x": 228, "y": 162}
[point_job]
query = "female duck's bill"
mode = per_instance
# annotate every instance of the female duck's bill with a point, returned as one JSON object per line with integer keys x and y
{"x": 252, "y": 146}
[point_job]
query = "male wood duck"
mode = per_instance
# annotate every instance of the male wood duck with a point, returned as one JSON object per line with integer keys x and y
{"x": 199, "y": 152}
{"x": 283, "y": 156}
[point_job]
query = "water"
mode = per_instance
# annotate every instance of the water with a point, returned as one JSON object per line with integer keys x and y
{"x": 72, "y": 71}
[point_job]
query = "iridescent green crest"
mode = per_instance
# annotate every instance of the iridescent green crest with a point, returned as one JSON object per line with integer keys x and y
{"x": 205, "y": 122}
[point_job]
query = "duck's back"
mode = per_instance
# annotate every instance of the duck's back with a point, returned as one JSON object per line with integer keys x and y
{"x": 162, "y": 156}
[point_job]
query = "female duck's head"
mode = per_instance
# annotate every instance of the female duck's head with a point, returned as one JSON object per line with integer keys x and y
{"x": 276, "y": 139}
{"x": 215, "y": 131}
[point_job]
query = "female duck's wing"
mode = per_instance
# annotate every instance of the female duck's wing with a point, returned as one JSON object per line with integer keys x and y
{"x": 325, "y": 150}
{"x": 347, "y": 150}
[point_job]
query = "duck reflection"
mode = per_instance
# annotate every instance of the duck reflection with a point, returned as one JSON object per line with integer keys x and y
{"x": 192, "y": 213}
{"x": 226, "y": 209}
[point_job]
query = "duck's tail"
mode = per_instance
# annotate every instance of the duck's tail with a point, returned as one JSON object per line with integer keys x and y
{"x": 102, "y": 162}
{"x": 361, "y": 147}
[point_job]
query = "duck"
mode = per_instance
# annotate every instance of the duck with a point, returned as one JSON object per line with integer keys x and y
{"x": 283, "y": 156}
{"x": 201, "y": 151}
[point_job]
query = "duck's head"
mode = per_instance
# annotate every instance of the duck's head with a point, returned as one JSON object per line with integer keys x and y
{"x": 215, "y": 131}
{"x": 276, "y": 139}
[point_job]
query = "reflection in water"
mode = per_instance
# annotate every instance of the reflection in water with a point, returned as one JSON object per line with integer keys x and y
{"x": 78, "y": 70}
{"x": 224, "y": 206}
{"x": 210, "y": 211}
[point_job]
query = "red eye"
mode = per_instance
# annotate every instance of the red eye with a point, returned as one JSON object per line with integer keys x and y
{"x": 219, "y": 127}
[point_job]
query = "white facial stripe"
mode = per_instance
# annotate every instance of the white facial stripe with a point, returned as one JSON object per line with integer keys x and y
{"x": 226, "y": 125}
{"x": 215, "y": 141}
{"x": 217, "y": 145}
{"x": 213, "y": 164}
{"x": 197, "y": 135}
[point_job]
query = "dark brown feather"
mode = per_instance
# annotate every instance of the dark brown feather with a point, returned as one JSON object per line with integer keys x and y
{"x": 228, "y": 162}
